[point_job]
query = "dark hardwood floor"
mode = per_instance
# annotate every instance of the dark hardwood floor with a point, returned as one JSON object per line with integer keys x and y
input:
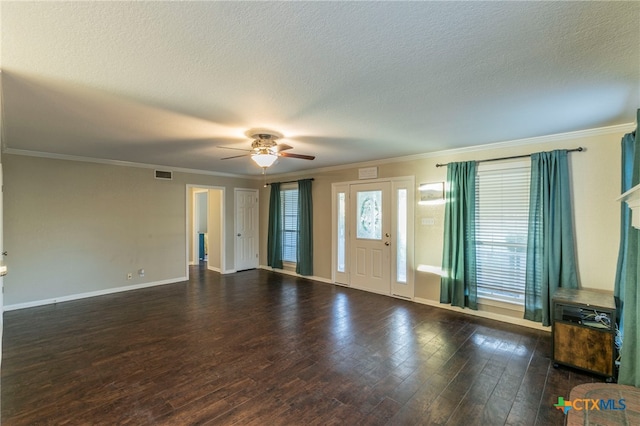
{"x": 258, "y": 348}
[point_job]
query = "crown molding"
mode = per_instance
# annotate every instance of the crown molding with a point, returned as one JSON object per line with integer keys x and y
{"x": 50, "y": 155}
{"x": 619, "y": 128}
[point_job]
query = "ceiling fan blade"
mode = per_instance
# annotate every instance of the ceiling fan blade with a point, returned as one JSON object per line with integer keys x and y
{"x": 237, "y": 149}
{"x": 300, "y": 156}
{"x": 283, "y": 147}
{"x": 235, "y": 156}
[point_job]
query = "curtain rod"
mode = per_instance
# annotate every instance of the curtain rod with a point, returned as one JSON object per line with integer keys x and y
{"x": 288, "y": 181}
{"x": 578, "y": 149}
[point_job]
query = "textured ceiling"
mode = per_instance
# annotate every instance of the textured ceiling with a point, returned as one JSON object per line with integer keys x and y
{"x": 167, "y": 83}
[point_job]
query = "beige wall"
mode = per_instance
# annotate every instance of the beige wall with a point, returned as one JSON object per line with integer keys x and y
{"x": 77, "y": 227}
{"x": 190, "y": 227}
{"x": 74, "y": 227}
{"x": 215, "y": 231}
{"x": 595, "y": 187}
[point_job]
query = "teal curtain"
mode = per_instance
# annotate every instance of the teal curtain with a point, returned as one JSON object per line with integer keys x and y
{"x": 629, "y": 373}
{"x": 550, "y": 246}
{"x": 627, "y": 181}
{"x": 304, "y": 246}
{"x": 274, "y": 237}
{"x": 458, "y": 286}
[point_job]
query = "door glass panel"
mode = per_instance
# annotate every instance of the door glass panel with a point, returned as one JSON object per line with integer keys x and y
{"x": 341, "y": 231}
{"x": 369, "y": 215}
{"x": 401, "y": 231}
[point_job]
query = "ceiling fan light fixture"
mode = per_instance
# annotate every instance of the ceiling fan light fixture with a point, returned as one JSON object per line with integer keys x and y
{"x": 264, "y": 160}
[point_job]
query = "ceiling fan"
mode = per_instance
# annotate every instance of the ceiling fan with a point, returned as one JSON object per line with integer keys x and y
{"x": 265, "y": 150}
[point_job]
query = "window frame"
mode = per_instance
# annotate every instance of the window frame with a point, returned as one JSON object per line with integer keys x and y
{"x": 491, "y": 295}
{"x": 283, "y": 200}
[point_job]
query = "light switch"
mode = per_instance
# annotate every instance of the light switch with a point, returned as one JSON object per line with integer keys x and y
{"x": 428, "y": 221}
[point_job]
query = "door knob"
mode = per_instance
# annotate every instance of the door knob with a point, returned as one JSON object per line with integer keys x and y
{"x": 387, "y": 235}
{"x": 386, "y": 243}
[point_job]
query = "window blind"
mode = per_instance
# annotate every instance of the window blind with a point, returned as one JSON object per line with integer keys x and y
{"x": 289, "y": 200}
{"x": 502, "y": 215}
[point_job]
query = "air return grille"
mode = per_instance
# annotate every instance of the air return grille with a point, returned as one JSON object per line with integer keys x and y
{"x": 164, "y": 174}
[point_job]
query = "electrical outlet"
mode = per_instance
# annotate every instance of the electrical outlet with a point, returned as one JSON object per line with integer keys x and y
{"x": 129, "y": 276}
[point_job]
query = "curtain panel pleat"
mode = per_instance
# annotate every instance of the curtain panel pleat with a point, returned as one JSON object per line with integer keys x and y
{"x": 274, "y": 236}
{"x": 627, "y": 288}
{"x": 304, "y": 264}
{"x": 458, "y": 286}
{"x": 550, "y": 245}
{"x": 628, "y": 145}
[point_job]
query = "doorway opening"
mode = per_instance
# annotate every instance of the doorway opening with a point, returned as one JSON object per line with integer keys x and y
{"x": 205, "y": 233}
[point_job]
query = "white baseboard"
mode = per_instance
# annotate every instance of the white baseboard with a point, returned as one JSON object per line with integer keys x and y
{"x": 220, "y": 271}
{"x": 70, "y": 297}
{"x": 292, "y": 273}
{"x": 484, "y": 314}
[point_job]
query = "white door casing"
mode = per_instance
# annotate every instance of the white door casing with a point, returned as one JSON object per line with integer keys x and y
{"x": 382, "y": 263}
{"x": 191, "y": 235}
{"x": 246, "y": 229}
{"x": 1, "y": 258}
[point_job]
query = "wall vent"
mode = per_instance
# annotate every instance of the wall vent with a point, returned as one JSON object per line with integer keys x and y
{"x": 164, "y": 174}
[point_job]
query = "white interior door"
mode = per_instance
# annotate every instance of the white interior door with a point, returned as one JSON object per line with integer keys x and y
{"x": 370, "y": 237}
{"x": 246, "y": 219}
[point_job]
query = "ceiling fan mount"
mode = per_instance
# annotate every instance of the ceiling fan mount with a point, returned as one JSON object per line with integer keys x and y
{"x": 265, "y": 150}
{"x": 262, "y": 141}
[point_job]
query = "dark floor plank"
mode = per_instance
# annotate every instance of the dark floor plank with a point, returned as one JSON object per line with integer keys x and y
{"x": 257, "y": 347}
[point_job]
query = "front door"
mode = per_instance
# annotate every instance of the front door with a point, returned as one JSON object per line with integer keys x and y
{"x": 246, "y": 220}
{"x": 373, "y": 236}
{"x": 371, "y": 239}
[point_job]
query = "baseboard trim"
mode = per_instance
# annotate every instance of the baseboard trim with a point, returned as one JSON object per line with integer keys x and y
{"x": 220, "y": 271}
{"x": 484, "y": 314}
{"x": 78, "y": 296}
{"x": 292, "y": 273}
